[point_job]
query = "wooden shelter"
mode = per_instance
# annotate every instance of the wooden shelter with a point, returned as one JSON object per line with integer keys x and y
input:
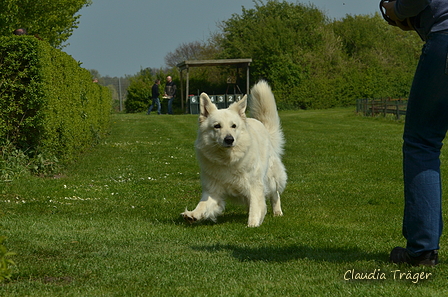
{"x": 185, "y": 65}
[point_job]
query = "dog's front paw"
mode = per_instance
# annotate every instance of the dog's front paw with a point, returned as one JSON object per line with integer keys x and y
{"x": 188, "y": 217}
{"x": 254, "y": 223}
{"x": 278, "y": 213}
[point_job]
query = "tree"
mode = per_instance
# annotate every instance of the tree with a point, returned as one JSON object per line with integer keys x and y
{"x": 139, "y": 91}
{"x": 50, "y": 20}
{"x": 186, "y": 51}
{"x": 382, "y": 57}
{"x": 311, "y": 62}
{"x": 283, "y": 39}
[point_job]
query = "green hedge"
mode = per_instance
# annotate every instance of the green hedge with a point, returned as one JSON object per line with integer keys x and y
{"x": 49, "y": 105}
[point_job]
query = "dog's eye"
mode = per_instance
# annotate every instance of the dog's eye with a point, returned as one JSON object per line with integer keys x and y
{"x": 217, "y": 126}
{"x": 234, "y": 126}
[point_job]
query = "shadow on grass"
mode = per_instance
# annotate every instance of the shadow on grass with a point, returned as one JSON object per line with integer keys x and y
{"x": 295, "y": 252}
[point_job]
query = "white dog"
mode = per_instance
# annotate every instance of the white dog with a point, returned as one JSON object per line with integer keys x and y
{"x": 239, "y": 157}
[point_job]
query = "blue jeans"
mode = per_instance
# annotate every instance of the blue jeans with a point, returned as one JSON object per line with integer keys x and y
{"x": 155, "y": 101}
{"x": 425, "y": 128}
{"x": 170, "y": 105}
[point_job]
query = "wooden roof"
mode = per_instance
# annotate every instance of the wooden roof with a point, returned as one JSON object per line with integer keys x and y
{"x": 223, "y": 62}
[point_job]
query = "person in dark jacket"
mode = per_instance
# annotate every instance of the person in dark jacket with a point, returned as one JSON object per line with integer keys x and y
{"x": 170, "y": 93}
{"x": 425, "y": 128}
{"x": 155, "y": 97}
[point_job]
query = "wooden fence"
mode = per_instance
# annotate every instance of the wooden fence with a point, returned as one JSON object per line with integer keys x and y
{"x": 373, "y": 107}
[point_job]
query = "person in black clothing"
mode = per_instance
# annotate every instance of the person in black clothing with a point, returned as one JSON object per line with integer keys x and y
{"x": 170, "y": 93}
{"x": 155, "y": 97}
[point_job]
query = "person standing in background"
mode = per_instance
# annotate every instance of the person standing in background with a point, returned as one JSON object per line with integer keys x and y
{"x": 155, "y": 97}
{"x": 170, "y": 93}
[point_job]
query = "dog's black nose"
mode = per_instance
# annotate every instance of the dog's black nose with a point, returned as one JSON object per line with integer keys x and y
{"x": 229, "y": 140}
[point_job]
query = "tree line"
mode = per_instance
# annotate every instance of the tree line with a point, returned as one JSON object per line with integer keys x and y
{"x": 310, "y": 60}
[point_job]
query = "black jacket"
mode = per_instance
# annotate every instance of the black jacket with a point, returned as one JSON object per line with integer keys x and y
{"x": 170, "y": 89}
{"x": 155, "y": 91}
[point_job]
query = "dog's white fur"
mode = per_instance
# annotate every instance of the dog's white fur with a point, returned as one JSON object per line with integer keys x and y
{"x": 239, "y": 157}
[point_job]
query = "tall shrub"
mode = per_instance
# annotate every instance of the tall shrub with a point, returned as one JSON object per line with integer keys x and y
{"x": 49, "y": 105}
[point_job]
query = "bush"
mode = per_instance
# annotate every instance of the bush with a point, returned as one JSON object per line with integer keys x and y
{"x": 13, "y": 162}
{"x": 49, "y": 106}
{"x": 139, "y": 94}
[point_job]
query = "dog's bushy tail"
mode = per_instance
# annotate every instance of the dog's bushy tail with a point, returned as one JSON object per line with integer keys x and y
{"x": 262, "y": 107}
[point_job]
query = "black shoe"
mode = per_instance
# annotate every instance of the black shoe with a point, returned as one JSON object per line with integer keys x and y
{"x": 401, "y": 255}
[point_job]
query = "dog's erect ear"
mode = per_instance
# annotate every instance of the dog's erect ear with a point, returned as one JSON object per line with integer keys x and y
{"x": 206, "y": 107}
{"x": 240, "y": 107}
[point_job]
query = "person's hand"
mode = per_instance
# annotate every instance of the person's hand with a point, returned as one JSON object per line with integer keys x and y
{"x": 390, "y": 10}
{"x": 392, "y": 18}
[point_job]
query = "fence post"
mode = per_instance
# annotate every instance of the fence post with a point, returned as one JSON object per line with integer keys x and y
{"x": 365, "y": 106}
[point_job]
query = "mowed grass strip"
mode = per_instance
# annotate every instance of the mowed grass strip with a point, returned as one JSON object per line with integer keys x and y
{"x": 110, "y": 224}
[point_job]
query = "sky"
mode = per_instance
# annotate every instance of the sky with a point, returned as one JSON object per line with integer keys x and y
{"x": 121, "y": 37}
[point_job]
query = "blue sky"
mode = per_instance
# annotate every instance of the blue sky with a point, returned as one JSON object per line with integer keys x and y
{"x": 119, "y": 37}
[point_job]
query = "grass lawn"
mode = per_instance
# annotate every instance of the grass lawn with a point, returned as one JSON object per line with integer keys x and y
{"x": 110, "y": 224}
